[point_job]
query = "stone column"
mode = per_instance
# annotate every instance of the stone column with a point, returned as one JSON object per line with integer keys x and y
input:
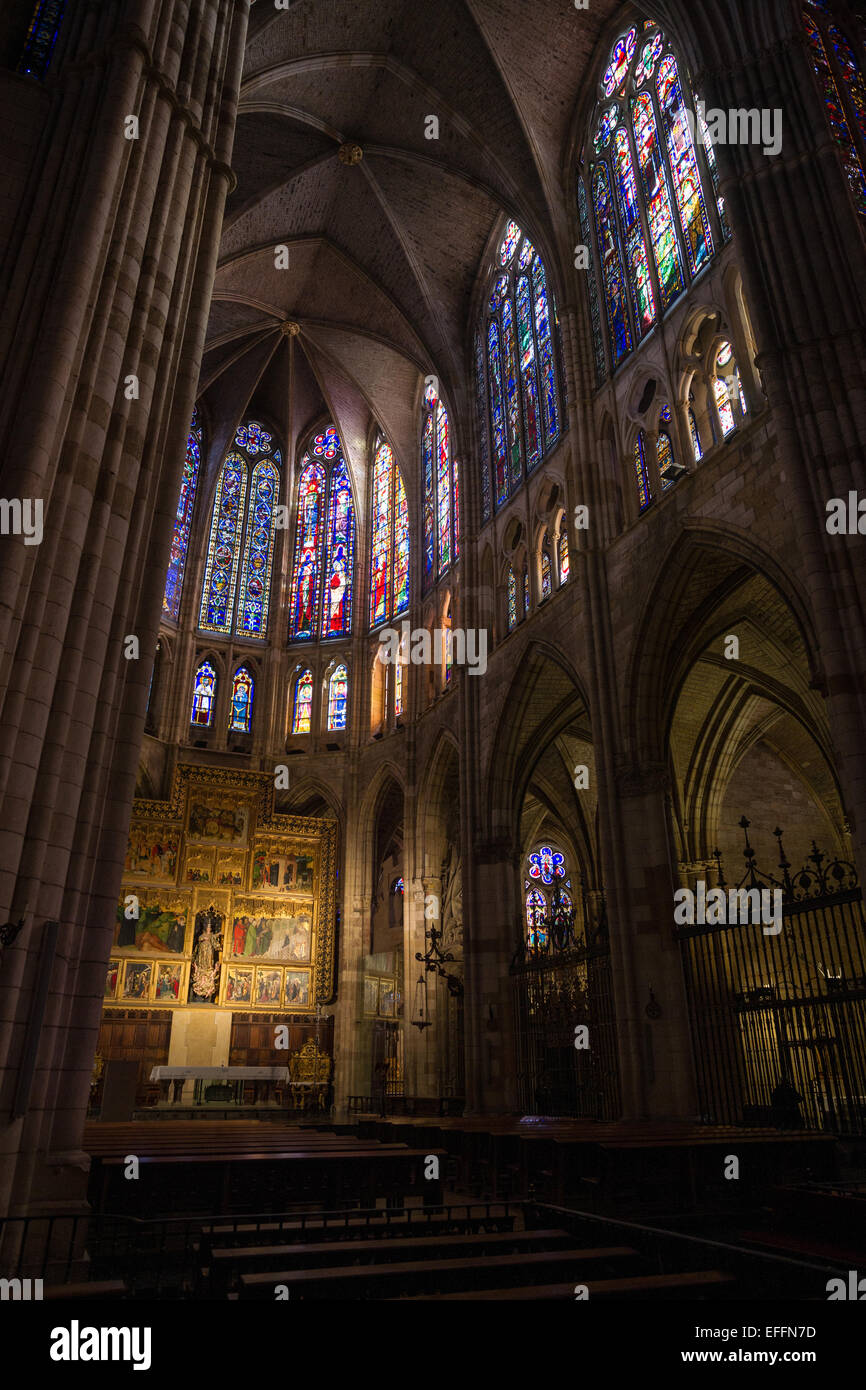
{"x": 112, "y": 281}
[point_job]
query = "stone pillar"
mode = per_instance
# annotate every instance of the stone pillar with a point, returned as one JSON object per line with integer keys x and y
{"x": 113, "y": 280}
{"x": 489, "y": 944}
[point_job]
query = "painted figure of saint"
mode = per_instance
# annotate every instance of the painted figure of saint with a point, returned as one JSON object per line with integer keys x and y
{"x": 337, "y": 593}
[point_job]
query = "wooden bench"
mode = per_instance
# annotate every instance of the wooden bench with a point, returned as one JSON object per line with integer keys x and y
{"x": 227, "y": 1264}
{"x": 703, "y": 1281}
{"x": 353, "y": 1281}
{"x": 99, "y": 1288}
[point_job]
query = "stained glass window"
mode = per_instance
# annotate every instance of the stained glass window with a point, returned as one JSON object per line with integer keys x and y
{"x": 641, "y": 473}
{"x": 842, "y": 87}
{"x": 564, "y": 565}
{"x": 241, "y": 541}
{"x": 302, "y": 713}
{"x": 644, "y": 173}
{"x": 340, "y": 557}
{"x": 665, "y": 455}
{"x": 338, "y": 696}
{"x": 714, "y": 173}
{"x": 536, "y": 916}
{"x": 398, "y": 689}
{"x": 41, "y": 38}
{"x": 655, "y": 188}
{"x": 443, "y": 488}
{"x": 723, "y": 403}
{"x": 429, "y": 525}
{"x": 516, "y": 361}
{"x": 258, "y": 552}
{"x": 242, "y": 702}
{"x": 684, "y": 166}
{"x": 308, "y": 547}
{"x": 546, "y": 864}
{"x": 525, "y": 591}
{"x": 224, "y": 551}
{"x": 324, "y": 564}
{"x": 696, "y": 438}
{"x": 389, "y": 562}
{"x": 182, "y": 522}
{"x": 726, "y": 364}
{"x": 545, "y": 570}
{"x": 512, "y": 599}
{"x": 204, "y": 695}
{"x": 643, "y": 297}
{"x": 618, "y": 321}
{"x": 595, "y": 313}
{"x": 483, "y": 435}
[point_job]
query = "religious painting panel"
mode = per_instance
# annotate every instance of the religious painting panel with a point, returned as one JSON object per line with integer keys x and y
{"x": 152, "y": 852}
{"x": 371, "y": 994}
{"x": 155, "y": 924}
{"x": 217, "y": 817}
{"x": 230, "y": 869}
{"x": 198, "y": 865}
{"x": 281, "y": 867}
{"x": 137, "y": 978}
{"x": 239, "y": 985}
{"x": 169, "y": 982}
{"x": 268, "y": 987}
{"x": 297, "y": 989}
{"x": 111, "y": 977}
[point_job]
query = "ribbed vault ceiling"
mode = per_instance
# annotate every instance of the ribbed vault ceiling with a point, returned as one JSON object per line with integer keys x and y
{"x": 385, "y": 254}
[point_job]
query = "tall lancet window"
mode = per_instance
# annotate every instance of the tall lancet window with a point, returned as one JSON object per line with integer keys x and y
{"x": 324, "y": 568}
{"x": 242, "y": 702}
{"x": 237, "y": 582}
{"x": 839, "y": 72}
{"x": 389, "y": 551}
{"x": 302, "y": 704}
{"x": 517, "y": 363}
{"x": 183, "y": 521}
{"x": 204, "y": 695}
{"x": 439, "y": 473}
{"x": 338, "y": 699}
{"x": 648, "y": 166}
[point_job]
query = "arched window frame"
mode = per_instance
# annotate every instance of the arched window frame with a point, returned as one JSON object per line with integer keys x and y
{"x": 838, "y": 59}
{"x": 390, "y": 540}
{"x": 205, "y": 683}
{"x": 323, "y": 564}
{"x": 337, "y": 703}
{"x": 303, "y": 687}
{"x": 243, "y": 524}
{"x": 563, "y": 556}
{"x": 238, "y": 683}
{"x": 173, "y": 592}
{"x": 649, "y": 250}
{"x": 519, "y": 384}
{"x": 513, "y": 606}
{"x": 641, "y": 471}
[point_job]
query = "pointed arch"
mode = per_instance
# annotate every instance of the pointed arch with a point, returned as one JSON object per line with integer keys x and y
{"x": 204, "y": 695}
{"x": 302, "y": 703}
{"x": 241, "y": 712}
{"x": 338, "y": 698}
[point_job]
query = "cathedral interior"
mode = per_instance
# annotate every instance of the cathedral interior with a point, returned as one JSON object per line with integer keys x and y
{"x": 433, "y": 634}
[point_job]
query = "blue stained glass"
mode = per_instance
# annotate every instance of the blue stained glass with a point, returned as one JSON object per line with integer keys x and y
{"x": 512, "y": 391}
{"x": 481, "y": 412}
{"x": 546, "y": 863}
{"x": 497, "y": 412}
{"x": 550, "y": 406}
{"x": 242, "y": 701}
{"x": 509, "y": 244}
{"x": 42, "y": 38}
{"x": 658, "y": 205}
{"x": 253, "y": 438}
{"x": 338, "y": 698}
{"x": 182, "y": 523}
{"x": 527, "y": 251}
{"x": 255, "y": 578}
{"x": 512, "y": 599}
{"x": 498, "y": 294}
{"x": 595, "y": 313}
{"x": 204, "y": 696}
{"x": 612, "y": 267}
{"x": 527, "y": 368}
{"x": 220, "y": 580}
{"x": 641, "y": 474}
{"x": 621, "y": 56}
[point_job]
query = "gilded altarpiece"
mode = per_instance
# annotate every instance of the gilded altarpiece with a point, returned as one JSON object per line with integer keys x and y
{"x": 225, "y": 903}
